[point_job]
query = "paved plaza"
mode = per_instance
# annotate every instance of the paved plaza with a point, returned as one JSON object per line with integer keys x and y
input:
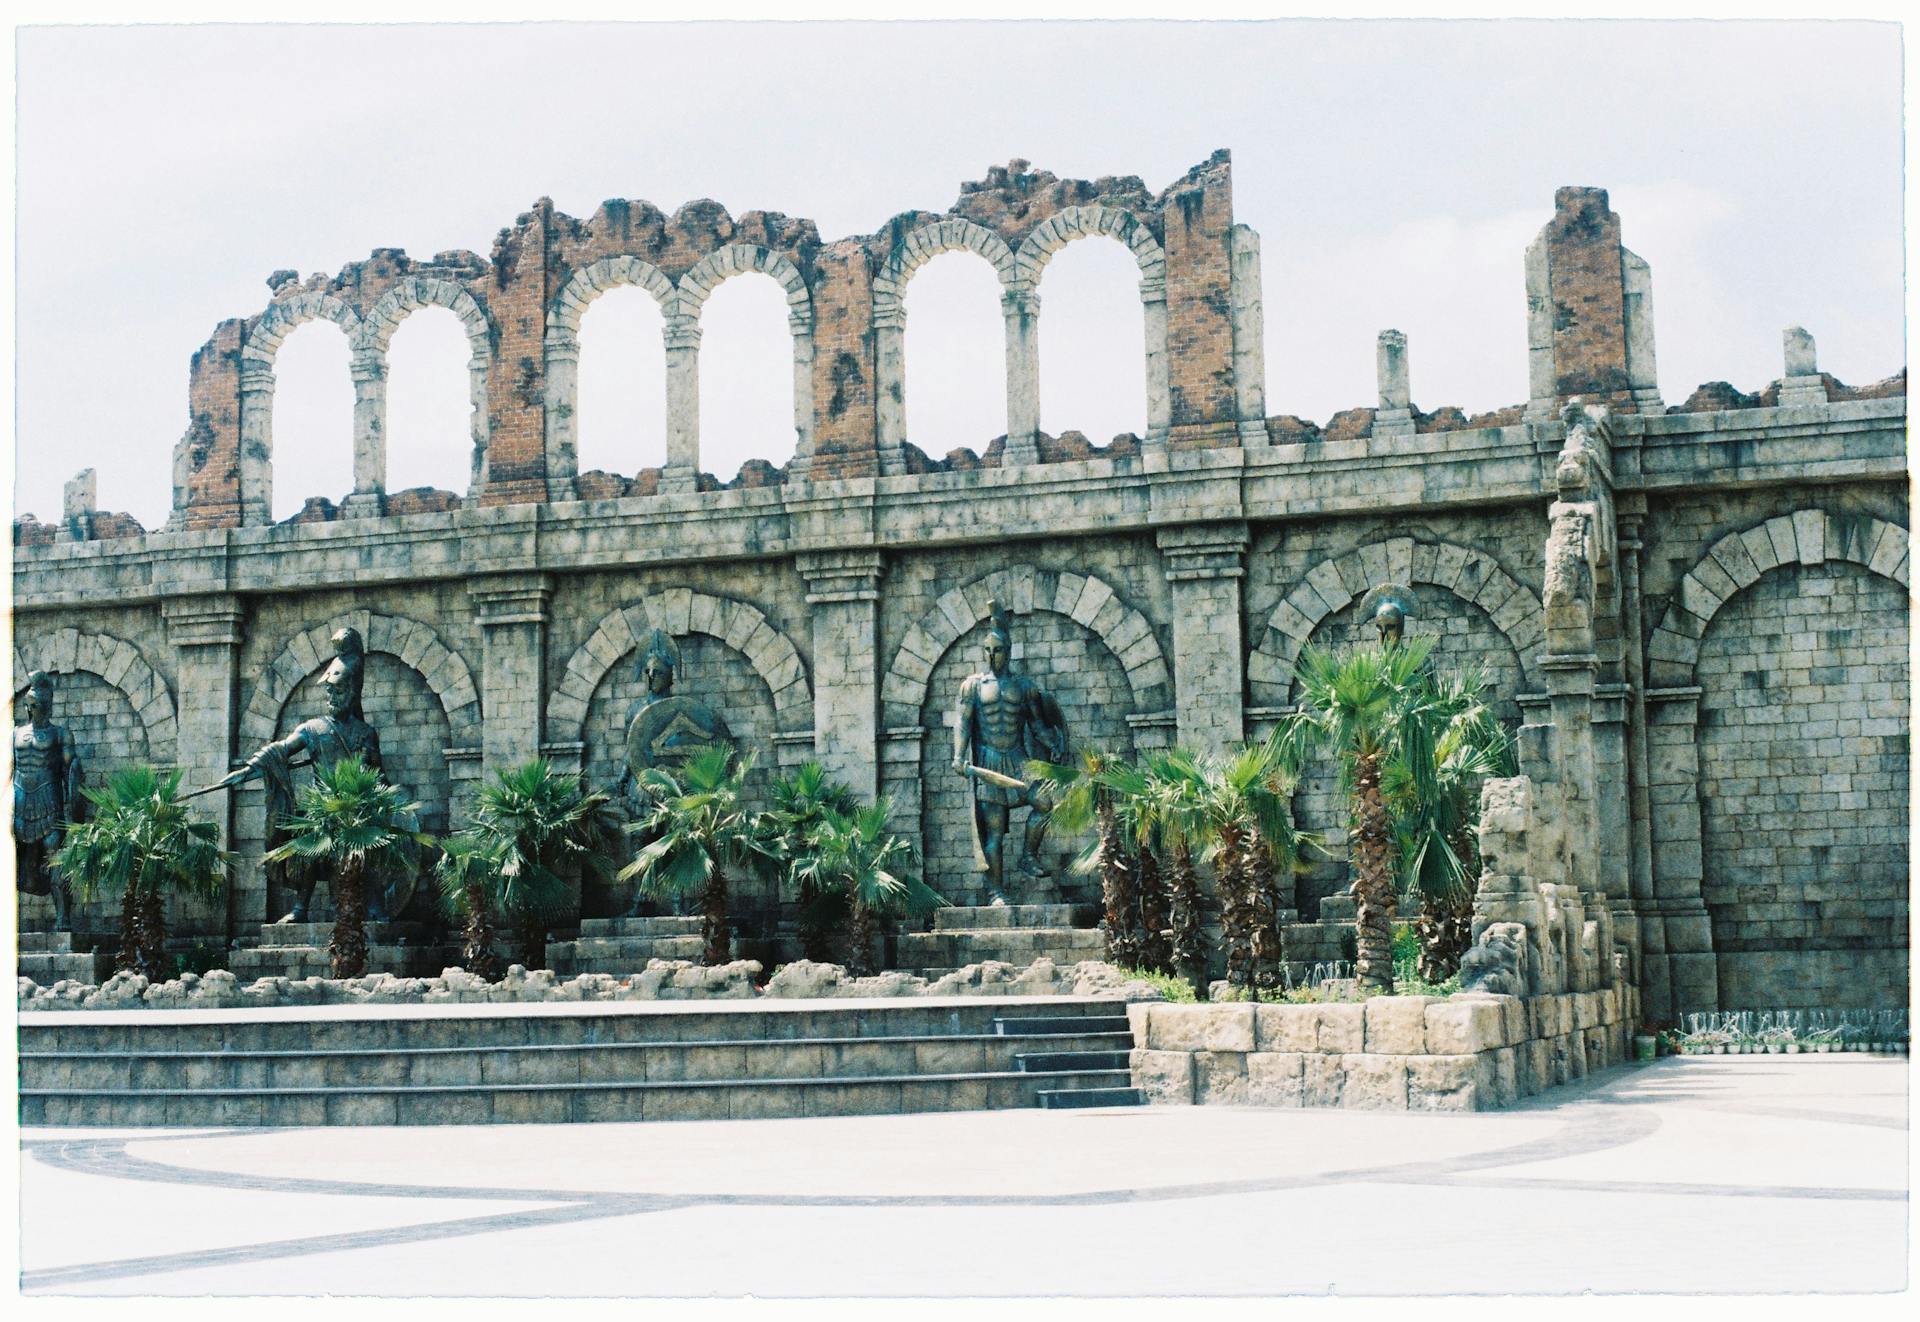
{"x": 1715, "y": 1174}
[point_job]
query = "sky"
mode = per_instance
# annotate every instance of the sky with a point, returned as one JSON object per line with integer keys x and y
{"x": 1395, "y": 170}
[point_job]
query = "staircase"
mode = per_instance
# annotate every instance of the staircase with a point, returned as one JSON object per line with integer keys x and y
{"x": 560, "y": 1062}
{"x": 299, "y": 950}
{"x": 624, "y": 945}
{"x": 49, "y": 957}
{"x": 1012, "y": 933}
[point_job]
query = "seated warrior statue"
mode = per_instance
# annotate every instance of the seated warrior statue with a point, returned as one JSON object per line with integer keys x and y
{"x": 1004, "y": 721}
{"x": 343, "y": 732}
{"x": 46, "y": 796}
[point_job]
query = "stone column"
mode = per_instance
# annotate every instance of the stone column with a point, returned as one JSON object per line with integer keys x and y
{"x": 683, "y": 404}
{"x": 1673, "y": 787}
{"x": 1021, "y": 309}
{"x": 480, "y": 427}
{"x": 890, "y": 397}
{"x": 1802, "y": 383}
{"x": 369, "y": 370}
{"x": 1652, "y": 970}
{"x": 1249, "y": 335}
{"x": 205, "y": 634}
{"x": 512, "y": 612}
{"x": 1643, "y": 379}
{"x": 79, "y": 501}
{"x": 562, "y": 351}
{"x": 1394, "y": 417}
{"x": 1153, "y": 306}
{"x": 843, "y": 594}
{"x": 256, "y": 442}
{"x": 800, "y": 469}
{"x": 1205, "y": 565}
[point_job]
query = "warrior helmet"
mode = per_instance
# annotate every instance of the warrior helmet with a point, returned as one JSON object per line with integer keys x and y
{"x": 1001, "y": 626}
{"x": 662, "y": 649}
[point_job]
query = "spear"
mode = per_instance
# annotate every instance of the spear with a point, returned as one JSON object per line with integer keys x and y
{"x": 230, "y": 780}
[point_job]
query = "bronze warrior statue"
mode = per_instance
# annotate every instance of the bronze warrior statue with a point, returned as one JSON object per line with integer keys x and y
{"x": 46, "y": 796}
{"x": 1388, "y": 607}
{"x": 343, "y": 732}
{"x": 1005, "y": 720}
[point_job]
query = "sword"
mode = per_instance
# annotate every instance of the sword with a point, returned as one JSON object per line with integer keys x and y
{"x": 995, "y": 778}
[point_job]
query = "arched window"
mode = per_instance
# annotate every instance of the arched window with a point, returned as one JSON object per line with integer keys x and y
{"x": 955, "y": 355}
{"x": 429, "y": 404}
{"x": 312, "y": 418}
{"x": 622, "y": 395}
{"x": 1093, "y": 376}
{"x": 746, "y": 376}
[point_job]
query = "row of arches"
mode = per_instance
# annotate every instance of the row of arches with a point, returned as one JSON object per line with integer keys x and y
{"x": 294, "y": 393}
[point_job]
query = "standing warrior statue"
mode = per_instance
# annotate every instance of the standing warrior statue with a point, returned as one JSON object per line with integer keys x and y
{"x": 46, "y": 796}
{"x": 1006, "y": 720}
{"x": 343, "y": 732}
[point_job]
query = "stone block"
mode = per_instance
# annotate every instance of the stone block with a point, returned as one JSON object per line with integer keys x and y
{"x": 1164, "y": 1078}
{"x": 1200, "y": 1028}
{"x": 1323, "y": 1079}
{"x": 1396, "y": 1025}
{"x": 1586, "y": 1011}
{"x": 1443, "y": 1083}
{"x": 1220, "y": 1078}
{"x": 1374, "y": 1083}
{"x": 1465, "y": 1025}
{"x": 1276, "y": 1078}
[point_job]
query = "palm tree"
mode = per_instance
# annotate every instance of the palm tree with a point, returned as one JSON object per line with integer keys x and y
{"x": 1130, "y": 787}
{"x": 144, "y": 842}
{"x": 858, "y": 857}
{"x": 468, "y": 873}
{"x": 1084, "y": 796}
{"x": 1356, "y": 702}
{"x": 801, "y": 802}
{"x": 350, "y": 817}
{"x": 1432, "y": 785}
{"x": 699, "y": 834}
{"x": 1174, "y": 804}
{"x": 1245, "y": 808}
{"x": 534, "y": 824}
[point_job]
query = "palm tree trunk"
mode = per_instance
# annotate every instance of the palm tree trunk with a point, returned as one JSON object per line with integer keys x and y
{"x": 153, "y": 934}
{"x": 860, "y": 941}
{"x": 713, "y": 920}
{"x": 1263, "y": 896}
{"x": 1446, "y": 922}
{"x": 347, "y": 946}
{"x": 1236, "y": 908}
{"x": 1372, "y": 839}
{"x": 1189, "y": 943}
{"x": 1156, "y": 946}
{"x": 476, "y": 950}
{"x": 533, "y": 943}
{"x": 1116, "y": 887}
{"x": 132, "y": 940}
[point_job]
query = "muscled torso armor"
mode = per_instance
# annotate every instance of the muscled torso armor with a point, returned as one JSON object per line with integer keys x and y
{"x": 43, "y": 774}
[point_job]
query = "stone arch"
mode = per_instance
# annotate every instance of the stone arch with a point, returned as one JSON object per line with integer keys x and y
{"x": 262, "y": 345}
{"x": 415, "y": 644}
{"x": 682, "y": 611}
{"x": 1047, "y": 238}
{"x": 562, "y": 353}
{"x": 1736, "y": 561}
{"x": 953, "y": 234}
{"x": 118, "y": 663}
{"x": 370, "y": 380}
{"x": 1336, "y": 583}
{"x": 1023, "y": 589}
{"x": 694, "y": 288}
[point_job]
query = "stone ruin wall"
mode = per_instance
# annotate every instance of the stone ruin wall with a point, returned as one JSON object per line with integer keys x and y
{"x": 1749, "y": 712}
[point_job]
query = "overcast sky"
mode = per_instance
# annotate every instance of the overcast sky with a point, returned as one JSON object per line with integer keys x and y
{"x": 1396, "y": 172}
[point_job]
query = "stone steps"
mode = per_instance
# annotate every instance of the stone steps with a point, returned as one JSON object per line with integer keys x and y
{"x": 954, "y": 949}
{"x": 583, "y": 1064}
{"x": 49, "y": 957}
{"x": 1060, "y": 1099}
{"x": 995, "y": 917}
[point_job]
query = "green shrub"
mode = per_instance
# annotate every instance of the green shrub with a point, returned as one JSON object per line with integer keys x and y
{"x": 1174, "y": 989}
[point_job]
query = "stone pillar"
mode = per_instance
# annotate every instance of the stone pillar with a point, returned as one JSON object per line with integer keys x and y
{"x": 1021, "y": 308}
{"x": 890, "y": 399}
{"x": 562, "y": 351}
{"x": 1395, "y": 414}
{"x": 481, "y": 430}
{"x": 369, "y": 371}
{"x": 1153, "y": 307}
{"x": 511, "y": 610}
{"x": 800, "y": 325}
{"x": 1643, "y": 379}
{"x": 1802, "y": 383}
{"x": 843, "y": 594}
{"x": 256, "y": 442}
{"x": 1673, "y": 787}
{"x": 1205, "y": 565}
{"x": 79, "y": 501}
{"x": 205, "y": 634}
{"x": 683, "y": 404}
{"x": 1249, "y": 335}
{"x": 1652, "y": 947}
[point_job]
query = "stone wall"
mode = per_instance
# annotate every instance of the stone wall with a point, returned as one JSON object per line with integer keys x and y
{"x": 1388, "y": 1053}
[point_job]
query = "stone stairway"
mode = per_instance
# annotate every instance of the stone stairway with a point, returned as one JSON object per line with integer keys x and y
{"x": 624, "y": 945}
{"x": 559, "y": 1062}
{"x": 1013, "y": 933}
{"x": 49, "y": 957}
{"x": 299, "y": 950}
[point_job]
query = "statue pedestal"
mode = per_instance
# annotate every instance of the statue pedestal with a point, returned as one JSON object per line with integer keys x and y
{"x": 49, "y": 957}
{"x": 1011, "y": 933}
{"x": 624, "y": 945}
{"x": 299, "y": 950}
